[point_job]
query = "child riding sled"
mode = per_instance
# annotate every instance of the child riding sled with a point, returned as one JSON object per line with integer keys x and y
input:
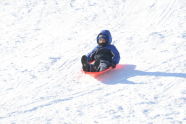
{"x": 104, "y": 55}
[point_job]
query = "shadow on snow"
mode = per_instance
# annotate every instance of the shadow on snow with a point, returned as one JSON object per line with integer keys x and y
{"x": 123, "y": 72}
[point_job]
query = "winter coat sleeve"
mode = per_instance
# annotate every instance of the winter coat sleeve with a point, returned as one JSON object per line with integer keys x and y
{"x": 116, "y": 57}
{"x": 90, "y": 55}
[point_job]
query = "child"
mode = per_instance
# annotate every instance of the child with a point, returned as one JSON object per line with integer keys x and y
{"x": 104, "y": 55}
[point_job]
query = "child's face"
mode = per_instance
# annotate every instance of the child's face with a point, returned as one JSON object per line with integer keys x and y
{"x": 102, "y": 40}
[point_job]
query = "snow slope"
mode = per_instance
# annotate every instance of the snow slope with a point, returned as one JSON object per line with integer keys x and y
{"x": 42, "y": 41}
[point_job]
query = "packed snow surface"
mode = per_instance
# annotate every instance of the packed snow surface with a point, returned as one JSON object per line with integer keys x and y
{"x": 41, "y": 44}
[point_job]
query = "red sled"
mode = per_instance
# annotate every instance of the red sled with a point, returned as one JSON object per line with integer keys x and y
{"x": 96, "y": 74}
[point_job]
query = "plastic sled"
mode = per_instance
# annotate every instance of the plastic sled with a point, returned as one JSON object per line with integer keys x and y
{"x": 96, "y": 74}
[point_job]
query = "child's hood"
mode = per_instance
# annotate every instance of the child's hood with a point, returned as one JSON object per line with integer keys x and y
{"x": 107, "y": 34}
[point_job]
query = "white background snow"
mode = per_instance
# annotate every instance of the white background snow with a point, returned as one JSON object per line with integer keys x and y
{"x": 42, "y": 41}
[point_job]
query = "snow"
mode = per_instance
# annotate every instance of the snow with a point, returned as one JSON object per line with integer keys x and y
{"x": 41, "y": 43}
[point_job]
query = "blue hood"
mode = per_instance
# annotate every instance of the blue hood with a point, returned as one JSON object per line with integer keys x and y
{"x": 107, "y": 34}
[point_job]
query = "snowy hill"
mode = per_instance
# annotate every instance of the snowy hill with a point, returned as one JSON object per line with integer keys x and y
{"x": 41, "y": 43}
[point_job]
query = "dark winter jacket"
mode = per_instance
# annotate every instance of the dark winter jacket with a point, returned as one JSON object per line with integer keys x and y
{"x": 108, "y": 52}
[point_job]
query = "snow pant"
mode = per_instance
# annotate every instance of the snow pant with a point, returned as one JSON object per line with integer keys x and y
{"x": 98, "y": 66}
